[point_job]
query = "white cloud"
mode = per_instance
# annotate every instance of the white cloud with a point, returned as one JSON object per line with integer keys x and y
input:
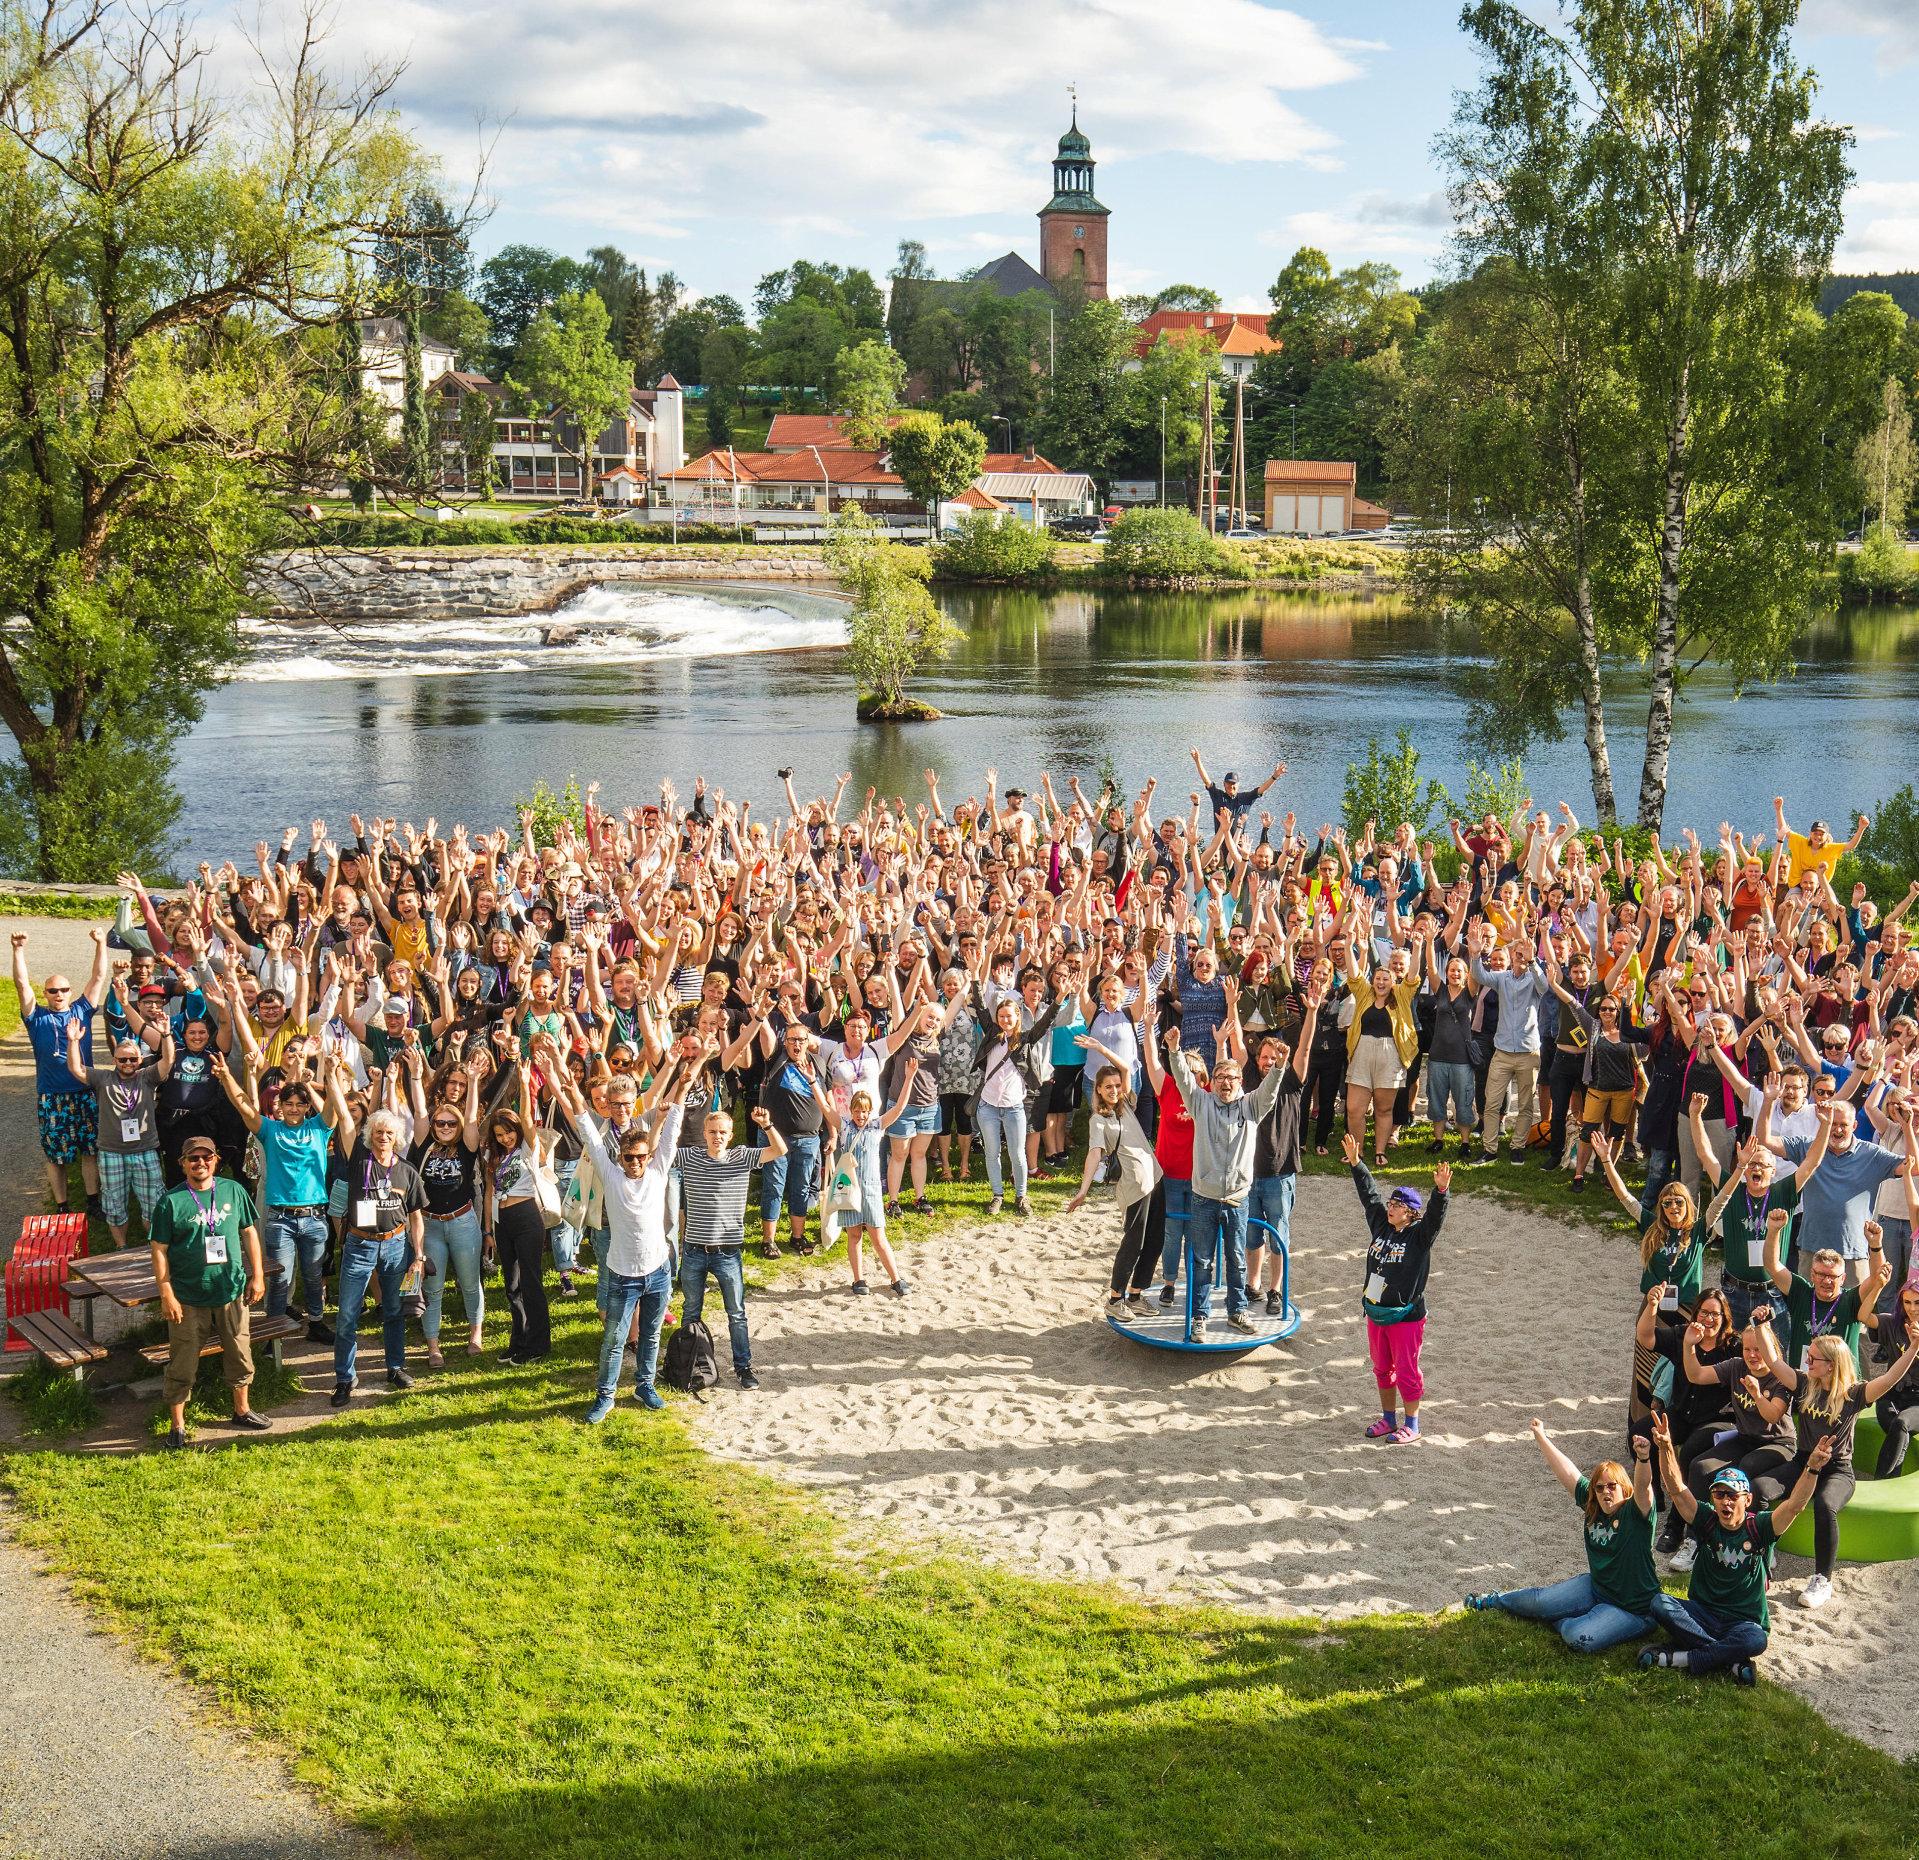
{"x": 827, "y": 112}
{"x": 1411, "y": 232}
{"x": 1894, "y": 24}
{"x": 1882, "y": 227}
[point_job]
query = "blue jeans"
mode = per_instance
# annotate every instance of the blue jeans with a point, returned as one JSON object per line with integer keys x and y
{"x": 1272, "y": 1202}
{"x": 1898, "y": 1245}
{"x": 1712, "y": 1640}
{"x": 723, "y": 1262}
{"x": 1227, "y": 1221}
{"x": 287, "y": 1239}
{"x": 1449, "y": 1094}
{"x": 360, "y": 1259}
{"x": 793, "y": 1178}
{"x": 647, "y": 1295}
{"x": 1741, "y": 1296}
{"x": 1003, "y": 1124}
{"x": 1587, "y": 1623}
{"x": 455, "y": 1244}
{"x": 1179, "y": 1210}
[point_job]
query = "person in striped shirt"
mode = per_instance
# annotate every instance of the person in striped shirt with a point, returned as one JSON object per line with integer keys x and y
{"x": 713, "y": 1180}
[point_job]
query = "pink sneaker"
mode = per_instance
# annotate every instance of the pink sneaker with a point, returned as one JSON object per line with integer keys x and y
{"x": 1382, "y": 1429}
{"x": 1401, "y": 1435}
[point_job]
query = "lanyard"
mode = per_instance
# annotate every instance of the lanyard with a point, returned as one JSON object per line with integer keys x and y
{"x": 1819, "y": 1323}
{"x": 210, "y": 1214}
{"x": 386, "y": 1180}
{"x": 1756, "y": 1210}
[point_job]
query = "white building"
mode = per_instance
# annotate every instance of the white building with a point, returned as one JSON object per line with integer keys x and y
{"x": 383, "y": 363}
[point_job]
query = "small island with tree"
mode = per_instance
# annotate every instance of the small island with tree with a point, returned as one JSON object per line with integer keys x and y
{"x": 895, "y": 626}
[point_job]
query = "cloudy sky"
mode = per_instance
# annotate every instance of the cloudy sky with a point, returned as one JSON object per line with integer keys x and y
{"x": 725, "y": 138}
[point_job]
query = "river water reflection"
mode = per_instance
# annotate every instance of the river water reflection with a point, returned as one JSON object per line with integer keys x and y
{"x": 1068, "y": 682}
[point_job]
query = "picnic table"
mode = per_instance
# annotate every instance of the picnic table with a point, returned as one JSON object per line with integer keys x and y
{"x": 127, "y": 1278}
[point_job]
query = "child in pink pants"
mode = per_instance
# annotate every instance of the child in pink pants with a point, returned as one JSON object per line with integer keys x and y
{"x": 1403, "y": 1227}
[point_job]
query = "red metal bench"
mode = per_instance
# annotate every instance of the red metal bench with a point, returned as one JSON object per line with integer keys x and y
{"x": 36, "y": 1274}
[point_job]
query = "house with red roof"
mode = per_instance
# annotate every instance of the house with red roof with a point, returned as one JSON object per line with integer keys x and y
{"x": 1239, "y": 336}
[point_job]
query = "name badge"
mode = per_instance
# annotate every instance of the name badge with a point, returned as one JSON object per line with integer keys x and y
{"x": 1669, "y": 1299}
{"x": 366, "y": 1214}
{"x": 1375, "y": 1288}
{"x": 131, "y": 1129}
{"x": 216, "y": 1243}
{"x": 1755, "y": 1252}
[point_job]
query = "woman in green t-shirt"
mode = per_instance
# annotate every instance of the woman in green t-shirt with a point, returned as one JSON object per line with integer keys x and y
{"x": 1672, "y": 1253}
{"x": 1612, "y": 1602}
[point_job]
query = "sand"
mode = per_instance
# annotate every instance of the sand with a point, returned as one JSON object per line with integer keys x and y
{"x": 993, "y": 1411}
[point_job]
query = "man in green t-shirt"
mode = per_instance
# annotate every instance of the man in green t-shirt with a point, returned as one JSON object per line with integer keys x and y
{"x": 1724, "y": 1622}
{"x": 206, "y": 1257}
{"x": 1824, "y": 1304}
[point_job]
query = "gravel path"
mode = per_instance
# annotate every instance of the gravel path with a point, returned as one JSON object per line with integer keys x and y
{"x": 103, "y": 1753}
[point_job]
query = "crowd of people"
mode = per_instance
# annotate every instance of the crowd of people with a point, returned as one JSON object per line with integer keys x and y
{"x": 379, "y": 1063}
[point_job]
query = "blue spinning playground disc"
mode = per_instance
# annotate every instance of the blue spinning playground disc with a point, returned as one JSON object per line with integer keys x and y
{"x": 1170, "y": 1327}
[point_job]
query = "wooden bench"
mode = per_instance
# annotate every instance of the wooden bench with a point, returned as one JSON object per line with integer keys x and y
{"x": 263, "y": 1330}
{"x": 82, "y": 1292}
{"x": 54, "y": 1336}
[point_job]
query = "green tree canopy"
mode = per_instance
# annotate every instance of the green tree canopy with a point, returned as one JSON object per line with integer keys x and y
{"x": 936, "y": 459}
{"x": 1083, "y": 419}
{"x": 516, "y": 284}
{"x": 868, "y": 380}
{"x": 567, "y": 363}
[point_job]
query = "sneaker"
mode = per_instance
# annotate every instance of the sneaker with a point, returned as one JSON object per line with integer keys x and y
{"x": 748, "y": 1380}
{"x": 511, "y": 1359}
{"x": 1817, "y": 1592}
{"x": 342, "y": 1394}
{"x": 1579, "y": 1185}
{"x": 1655, "y": 1656}
{"x": 175, "y": 1441}
{"x": 566, "y": 1285}
{"x": 602, "y": 1407}
{"x": 1110, "y": 1308}
{"x": 1744, "y": 1673}
{"x": 899, "y": 1288}
{"x": 996, "y": 1204}
{"x": 859, "y": 1288}
{"x": 922, "y": 1206}
{"x": 1136, "y": 1306}
{"x": 1683, "y": 1556}
{"x": 1022, "y": 1206}
{"x": 649, "y": 1396}
{"x": 253, "y": 1423}
{"x": 1477, "y": 1603}
{"x": 1241, "y": 1322}
{"x": 893, "y": 1209}
{"x": 1165, "y": 1296}
{"x": 398, "y": 1379}
{"x": 1199, "y": 1330}
{"x": 319, "y": 1331}
{"x": 1670, "y": 1534}
{"x": 1273, "y": 1306}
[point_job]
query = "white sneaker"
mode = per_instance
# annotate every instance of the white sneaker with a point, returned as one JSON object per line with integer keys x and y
{"x": 1817, "y": 1592}
{"x": 1683, "y": 1556}
{"x": 1242, "y": 1322}
{"x": 1199, "y": 1330}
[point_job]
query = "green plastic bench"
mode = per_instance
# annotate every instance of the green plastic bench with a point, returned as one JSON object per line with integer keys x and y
{"x": 1880, "y": 1522}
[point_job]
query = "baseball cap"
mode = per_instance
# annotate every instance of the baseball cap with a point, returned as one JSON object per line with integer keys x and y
{"x": 1230, "y": 775}
{"x": 199, "y": 1146}
{"x": 1731, "y": 1479}
{"x": 1410, "y": 1197}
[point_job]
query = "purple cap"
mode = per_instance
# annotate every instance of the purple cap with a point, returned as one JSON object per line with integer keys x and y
{"x": 1410, "y": 1196}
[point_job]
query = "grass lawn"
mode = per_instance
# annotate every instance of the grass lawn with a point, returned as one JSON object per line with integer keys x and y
{"x": 56, "y": 904}
{"x": 478, "y": 1626}
{"x": 9, "y": 1009}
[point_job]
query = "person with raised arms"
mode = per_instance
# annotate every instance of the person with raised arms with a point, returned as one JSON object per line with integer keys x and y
{"x": 1724, "y": 1624}
{"x": 1612, "y": 1602}
{"x": 1398, "y": 1256}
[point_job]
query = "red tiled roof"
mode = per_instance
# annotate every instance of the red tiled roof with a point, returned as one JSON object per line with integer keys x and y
{"x": 976, "y": 499}
{"x": 1018, "y": 461}
{"x": 1232, "y": 332}
{"x": 666, "y": 382}
{"x": 1311, "y": 471}
{"x": 793, "y": 432}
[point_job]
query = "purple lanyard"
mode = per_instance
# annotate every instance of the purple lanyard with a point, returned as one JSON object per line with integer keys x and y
{"x": 210, "y": 1214}
{"x": 386, "y": 1181}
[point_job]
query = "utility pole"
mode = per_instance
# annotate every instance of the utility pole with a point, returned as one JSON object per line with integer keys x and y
{"x": 1208, "y": 475}
{"x": 1239, "y": 452}
{"x": 1162, "y": 452}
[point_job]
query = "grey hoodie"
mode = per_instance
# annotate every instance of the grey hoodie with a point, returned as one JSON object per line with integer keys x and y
{"x": 1224, "y": 1135}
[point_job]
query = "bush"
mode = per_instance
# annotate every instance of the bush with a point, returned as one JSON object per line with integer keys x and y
{"x": 1385, "y": 789}
{"x": 491, "y": 533}
{"x": 1881, "y": 569}
{"x": 1168, "y": 546}
{"x": 1888, "y": 857}
{"x": 983, "y": 549}
{"x": 550, "y": 810}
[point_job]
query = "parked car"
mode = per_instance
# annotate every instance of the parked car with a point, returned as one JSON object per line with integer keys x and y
{"x": 1077, "y": 526}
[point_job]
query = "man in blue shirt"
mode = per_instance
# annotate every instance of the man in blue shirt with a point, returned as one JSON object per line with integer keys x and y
{"x": 1518, "y": 989}
{"x": 68, "y": 1110}
{"x": 1836, "y": 1204}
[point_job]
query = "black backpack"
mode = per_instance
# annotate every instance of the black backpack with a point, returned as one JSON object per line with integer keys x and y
{"x": 690, "y": 1362}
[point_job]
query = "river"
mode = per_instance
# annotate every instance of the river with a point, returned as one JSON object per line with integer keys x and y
{"x": 459, "y": 718}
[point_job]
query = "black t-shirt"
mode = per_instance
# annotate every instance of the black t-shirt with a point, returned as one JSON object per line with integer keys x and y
{"x": 190, "y": 1086}
{"x": 1452, "y": 1028}
{"x": 1375, "y": 1022}
{"x": 446, "y": 1176}
{"x": 1276, "y": 1142}
{"x": 1810, "y": 1428}
{"x": 1754, "y": 1426}
{"x": 788, "y": 1098}
{"x": 394, "y": 1190}
{"x": 1693, "y": 1404}
{"x": 1888, "y": 1345}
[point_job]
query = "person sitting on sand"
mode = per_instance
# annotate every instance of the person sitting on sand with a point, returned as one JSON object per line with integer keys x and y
{"x": 1403, "y": 1229}
{"x": 1612, "y": 1602}
{"x": 1724, "y": 1624}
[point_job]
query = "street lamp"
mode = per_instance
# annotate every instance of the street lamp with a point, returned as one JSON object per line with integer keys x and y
{"x": 1292, "y": 407}
{"x": 825, "y": 479}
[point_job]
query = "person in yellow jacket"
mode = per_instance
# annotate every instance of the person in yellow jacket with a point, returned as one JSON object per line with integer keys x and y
{"x": 1381, "y": 1042}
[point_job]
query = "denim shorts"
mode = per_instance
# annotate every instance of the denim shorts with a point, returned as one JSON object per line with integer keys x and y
{"x": 917, "y": 1120}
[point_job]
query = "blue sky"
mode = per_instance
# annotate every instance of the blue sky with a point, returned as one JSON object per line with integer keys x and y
{"x": 724, "y": 140}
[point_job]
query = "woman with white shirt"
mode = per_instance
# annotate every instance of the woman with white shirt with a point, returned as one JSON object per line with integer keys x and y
{"x": 1114, "y": 1135}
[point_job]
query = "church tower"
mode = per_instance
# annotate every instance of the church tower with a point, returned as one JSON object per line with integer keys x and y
{"x": 1072, "y": 225}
